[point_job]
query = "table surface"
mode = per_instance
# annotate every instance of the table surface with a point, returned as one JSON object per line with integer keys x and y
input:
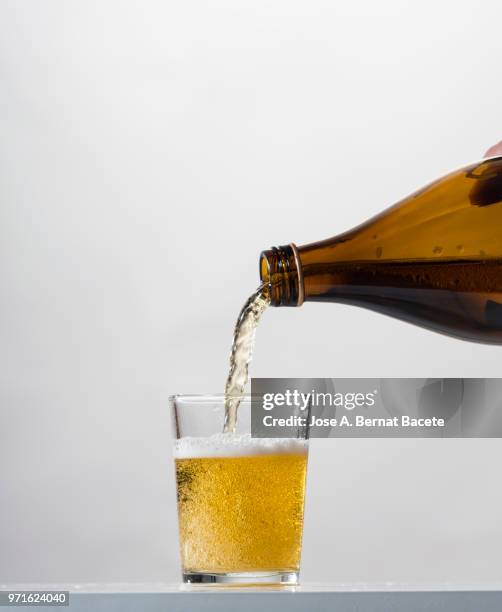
{"x": 390, "y": 597}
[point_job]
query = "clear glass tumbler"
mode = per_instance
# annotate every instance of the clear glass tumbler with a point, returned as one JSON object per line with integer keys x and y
{"x": 240, "y": 499}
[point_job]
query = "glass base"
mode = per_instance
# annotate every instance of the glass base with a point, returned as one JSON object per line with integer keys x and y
{"x": 241, "y": 578}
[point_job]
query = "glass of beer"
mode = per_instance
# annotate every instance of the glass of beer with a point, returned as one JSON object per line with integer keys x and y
{"x": 240, "y": 499}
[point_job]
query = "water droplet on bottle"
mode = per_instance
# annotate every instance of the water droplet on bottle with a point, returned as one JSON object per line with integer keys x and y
{"x": 375, "y": 236}
{"x": 482, "y": 253}
{"x": 379, "y": 252}
{"x": 437, "y": 250}
{"x": 460, "y": 248}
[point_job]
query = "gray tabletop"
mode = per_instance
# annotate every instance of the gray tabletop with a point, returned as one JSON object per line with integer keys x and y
{"x": 312, "y": 598}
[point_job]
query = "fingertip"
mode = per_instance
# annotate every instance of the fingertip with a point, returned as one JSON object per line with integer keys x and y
{"x": 496, "y": 149}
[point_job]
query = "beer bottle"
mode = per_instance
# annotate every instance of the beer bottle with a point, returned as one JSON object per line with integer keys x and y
{"x": 434, "y": 259}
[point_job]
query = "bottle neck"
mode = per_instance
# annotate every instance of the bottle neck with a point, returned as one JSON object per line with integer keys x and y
{"x": 282, "y": 275}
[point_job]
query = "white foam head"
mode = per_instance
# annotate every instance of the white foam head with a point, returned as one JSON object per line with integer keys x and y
{"x": 236, "y": 445}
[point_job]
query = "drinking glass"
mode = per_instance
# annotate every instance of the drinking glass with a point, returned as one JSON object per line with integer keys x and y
{"x": 240, "y": 499}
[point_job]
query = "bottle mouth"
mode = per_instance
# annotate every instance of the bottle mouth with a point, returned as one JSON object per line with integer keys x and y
{"x": 281, "y": 275}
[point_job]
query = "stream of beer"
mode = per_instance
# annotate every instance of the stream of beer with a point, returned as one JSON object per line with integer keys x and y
{"x": 241, "y": 355}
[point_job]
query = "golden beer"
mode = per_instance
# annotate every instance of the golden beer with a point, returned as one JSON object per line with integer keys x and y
{"x": 242, "y": 512}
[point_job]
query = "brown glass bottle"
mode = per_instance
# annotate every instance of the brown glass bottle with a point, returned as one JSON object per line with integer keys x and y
{"x": 433, "y": 259}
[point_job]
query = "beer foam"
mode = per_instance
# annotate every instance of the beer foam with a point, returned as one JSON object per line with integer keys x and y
{"x": 236, "y": 445}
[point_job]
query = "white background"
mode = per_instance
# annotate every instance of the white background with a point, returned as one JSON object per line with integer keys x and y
{"x": 149, "y": 152}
